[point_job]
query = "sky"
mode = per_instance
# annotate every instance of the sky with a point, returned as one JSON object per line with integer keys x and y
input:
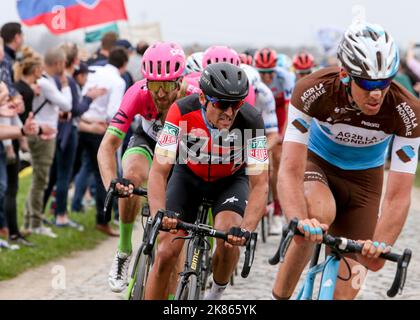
{"x": 259, "y": 22}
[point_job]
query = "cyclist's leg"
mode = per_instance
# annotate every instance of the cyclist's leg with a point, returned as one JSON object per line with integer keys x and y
{"x": 166, "y": 258}
{"x": 225, "y": 259}
{"x": 183, "y": 196}
{"x": 321, "y": 206}
{"x": 357, "y": 222}
{"x": 136, "y": 164}
{"x": 231, "y": 195}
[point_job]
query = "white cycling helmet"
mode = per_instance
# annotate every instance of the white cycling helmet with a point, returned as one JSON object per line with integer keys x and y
{"x": 194, "y": 62}
{"x": 252, "y": 74}
{"x": 368, "y": 51}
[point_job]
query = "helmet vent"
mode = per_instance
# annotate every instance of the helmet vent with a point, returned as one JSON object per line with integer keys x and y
{"x": 379, "y": 59}
{"x": 159, "y": 67}
{"x": 213, "y": 83}
{"x": 224, "y": 74}
{"x": 177, "y": 66}
{"x": 351, "y": 37}
{"x": 366, "y": 66}
{"x": 239, "y": 76}
{"x": 386, "y": 37}
{"x": 360, "y": 51}
{"x": 150, "y": 67}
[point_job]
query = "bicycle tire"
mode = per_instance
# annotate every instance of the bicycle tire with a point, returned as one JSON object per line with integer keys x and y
{"x": 264, "y": 230}
{"x": 189, "y": 291}
{"x": 205, "y": 270}
{"x": 143, "y": 269}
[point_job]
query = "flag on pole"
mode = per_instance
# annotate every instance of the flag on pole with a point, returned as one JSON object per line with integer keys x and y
{"x": 96, "y": 35}
{"x": 62, "y": 16}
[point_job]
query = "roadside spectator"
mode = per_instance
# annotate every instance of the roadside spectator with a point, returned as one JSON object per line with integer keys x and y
{"x": 101, "y": 111}
{"x": 127, "y": 76}
{"x": 100, "y": 58}
{"x": 67, "y": 140}
{"x": 83, "y": 170}
{"x": 26, "y": 73}
{"x": 47, "y": 107}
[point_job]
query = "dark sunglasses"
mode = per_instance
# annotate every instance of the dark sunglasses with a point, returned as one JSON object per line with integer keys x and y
{"x": 370, "y": 85}
{"x": 303, "y": 72}
{"x": 224, "y": 105}
{"x": 266, "y": 71}
{"x": 167, "y": 86}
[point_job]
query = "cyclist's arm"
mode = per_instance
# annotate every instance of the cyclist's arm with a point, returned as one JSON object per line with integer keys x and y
{"x": 290, "y": 180}
{"x": 395, "y": 207}
{"x": 257, "y": 200}
{"x": 106, "y": 158}
{"x": 164, "y": 159}
{"x": 293, "y": 164}
{"x": 396, "y": 202}
{"x": 157, "y": 182}
{"x": 115, "y": 135}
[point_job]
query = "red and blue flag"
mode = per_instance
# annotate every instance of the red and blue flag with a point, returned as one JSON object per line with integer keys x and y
{"x": 61, "y": 16}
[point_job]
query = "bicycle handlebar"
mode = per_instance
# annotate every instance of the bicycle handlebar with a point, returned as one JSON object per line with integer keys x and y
{"x": 205, "y": 231}
{"x": 112, "y": 192}
{"x": 344, "y": 245}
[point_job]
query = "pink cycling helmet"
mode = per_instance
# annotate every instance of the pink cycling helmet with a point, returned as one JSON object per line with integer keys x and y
{"x": 217, "y": 54}
{"x": 163, "y": 61}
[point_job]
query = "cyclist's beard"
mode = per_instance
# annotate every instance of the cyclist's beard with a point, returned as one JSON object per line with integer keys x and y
{"x": 163, "y": 104}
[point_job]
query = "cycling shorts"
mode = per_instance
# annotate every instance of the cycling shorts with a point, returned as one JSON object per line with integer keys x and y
{"x": 357, "y": 195}
{"x": 141, "y": 143}
{"x": 185, "y": 193}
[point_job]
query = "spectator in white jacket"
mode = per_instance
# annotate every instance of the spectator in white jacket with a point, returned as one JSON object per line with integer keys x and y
{"x": 100, "y": 112}
{"x": 54, "y": 102}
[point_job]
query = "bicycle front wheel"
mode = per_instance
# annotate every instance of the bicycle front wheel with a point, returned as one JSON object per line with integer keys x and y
{"x": 143, "y": 268}
{"x": 188, "y": 289}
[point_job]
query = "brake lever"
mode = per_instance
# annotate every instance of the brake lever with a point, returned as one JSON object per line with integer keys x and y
{"x": 401, "y": 274}
{"x": 157, "y": 223}
{"x": 108, "y": 201}
{"x": 249, "y": 254}
{"x": 287, "y": 235}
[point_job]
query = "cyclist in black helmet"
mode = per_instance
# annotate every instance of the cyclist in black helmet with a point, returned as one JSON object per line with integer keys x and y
{"x": 218, "y": 148}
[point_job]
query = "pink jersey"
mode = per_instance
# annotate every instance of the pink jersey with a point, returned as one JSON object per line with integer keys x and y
{"x": 192, "y": 79}
{"x": 138, "y": 101}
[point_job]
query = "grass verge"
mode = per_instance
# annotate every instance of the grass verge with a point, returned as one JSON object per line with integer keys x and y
{"x": 12, "y": 263}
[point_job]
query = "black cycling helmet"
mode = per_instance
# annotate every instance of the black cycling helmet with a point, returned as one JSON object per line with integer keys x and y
{"x": 224, "y": 81}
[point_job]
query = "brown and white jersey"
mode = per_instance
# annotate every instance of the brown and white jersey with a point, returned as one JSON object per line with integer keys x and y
{"x": 321, "y": 117}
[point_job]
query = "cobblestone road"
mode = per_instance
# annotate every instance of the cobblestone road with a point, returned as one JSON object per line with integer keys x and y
{"x": 86, "y": 273}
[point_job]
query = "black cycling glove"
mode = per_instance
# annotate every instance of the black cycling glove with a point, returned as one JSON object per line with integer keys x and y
{"x": 125, "y": 183}
{"x": 239, "y": 232}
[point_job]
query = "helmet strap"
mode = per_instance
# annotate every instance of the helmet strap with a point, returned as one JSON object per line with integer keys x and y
{"x": 346, "y": 80}
{"x": 350, "y": 98}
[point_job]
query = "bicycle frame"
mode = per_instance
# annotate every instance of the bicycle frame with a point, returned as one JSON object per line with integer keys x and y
{"x": 195, "y": 250}
{"x": 329, "y": 270}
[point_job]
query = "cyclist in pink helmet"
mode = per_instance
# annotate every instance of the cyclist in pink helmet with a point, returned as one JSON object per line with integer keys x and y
{"x": 217, "y": 54}
{"x": 162, "y": 67}
{"x": 163, "y": 61}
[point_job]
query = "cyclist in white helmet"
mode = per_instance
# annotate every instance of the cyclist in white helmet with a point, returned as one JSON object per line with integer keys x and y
{"x": 194, "y": 63}
{"x": 340, "y": 122}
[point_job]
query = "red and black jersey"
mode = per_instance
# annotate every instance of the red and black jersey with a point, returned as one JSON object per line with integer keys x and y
{"x": 187, "y": 138}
